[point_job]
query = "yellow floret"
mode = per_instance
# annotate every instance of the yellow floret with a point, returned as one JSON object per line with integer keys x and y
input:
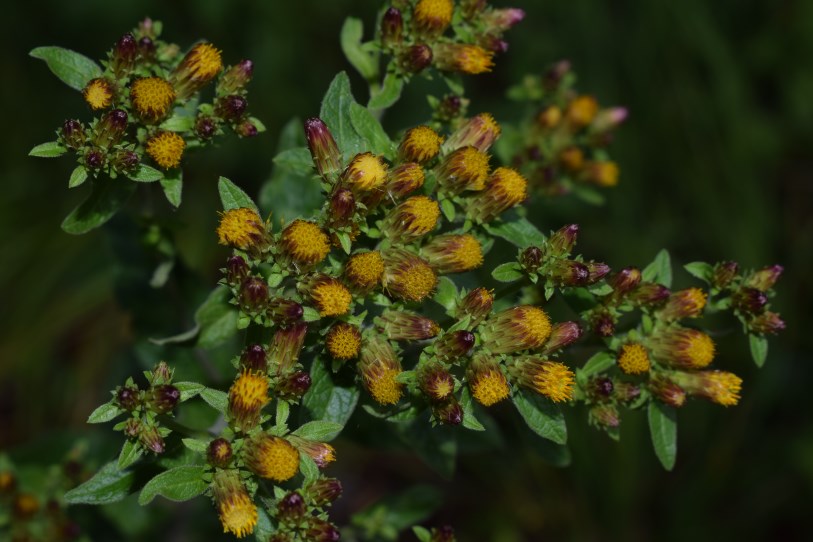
{"x": 699, "y": 350}
{"x": 366, "y": 172}
{"x": 364, "y": 270}
{"x": 534, "y": 324}
{"x": 343, "y": 341}
{"x": 98, "y": 94}
{"x": 238, "y": 515}
{"x": 152, "y": 98}
{"x": 554, "y": 380}
{"x": 633, "y": 359}
{"x": 417, "y": 215}
{"x": 166, "y": 148}
{"x": 382, "y": 385}
{"x": 420, "y": 144}
{"x": 489, "y": 387}
{"x": 331, "y": 297}
{"x": 240, "y": 228}
{"x": 723, "y": 387}
{"x": 274, "y": 458}
{"x": 203, "y": 61}
{"x": 305, "y": 242}
{"x": 508, "y": 185}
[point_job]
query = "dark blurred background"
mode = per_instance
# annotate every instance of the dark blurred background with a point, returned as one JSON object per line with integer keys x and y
{"x": 716, "y": 164}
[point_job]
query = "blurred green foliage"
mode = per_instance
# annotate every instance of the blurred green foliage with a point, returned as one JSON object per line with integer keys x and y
{"x": 716, "y": 164}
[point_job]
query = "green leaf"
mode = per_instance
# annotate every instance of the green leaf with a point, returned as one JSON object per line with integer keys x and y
{"x": 469, "y": 420}
{"x": 264, "y": 528}
{"x": 106, "y": 198}
{"x": 660, "y": 270}
{"x": 351, "y": 35}
{"x": 309, "y": 314}
{"x": 73, "y": 69}
{"x": 131, "y": 451}
{"x": 216, "y": 318}
{"x": 588, "y": 194}
{"x": 326, "y": 400}
{"x": 395, "y": 513}
{"x": 335, "y": 113}
{"x": 447, "y": 206}
{"x": 520, "y": 233}
{"x": 446, "y": 294}
{"x": 107, "y": 486}
{"x": 172, "y": 184}
{"x": 345, "y": 241}
{"x": 543, "y": 417}
{"x": 178, "y": 484}
{"x": 422, "y": 534}
{"x": 218, "y": 400}
{"x": 145, "y": 174}
{"x": 759, "y": 348}
{"x": 199, "y": 446}
{"x": 283, "y": 411}
{"x": 78, "y": 176}
{"x": 701, "y": 270}
{"x": 179, "y": 123}
{"x": 52, "y": 149}
{"x": 508, "y": 272}
{"x": 663, "y": 428}
{"x": 368, "y": 127}
{"x": 599, "y": 363}
{"x": 389, "y": 93}
{"x": 188, "y": 389}
{"x": 232, "y": 196}
{"x": 319, "y": 430}
{"x": 308, "y": 468}
{"x": 298, "y": 160}
{"x": 105, "y": 413}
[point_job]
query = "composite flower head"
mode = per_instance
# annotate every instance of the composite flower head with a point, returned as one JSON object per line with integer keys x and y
{"x": 486, "y": 381}
{"x": 404, "y": 179}
{"x": 466, "y": 168}
{"x": 331, "y": 297}
{"x": 518, "y": 328}
{"x": 406, "y": 326}
{"x": 271, "y": 457}
{"x": 420, "y": 144}
{"x": 152, "y": 98}
{"x": 200, "y": 65}
{"x": 506, "y": 188}
{"x": 241, "y": 228}
{"x": 552, "y": 379}
{"x": 720, "y": 387}
{"x": 480, "y": 132}
{"x": 463, "y": 58}
{"x": 433, "y": 17}
{"x": 366, "y": 172}
{"x": 476, "y": 304}
{"x": 435, "y": 381}
{"x": 343, "y": 341}
{"x": 633, "y": 359}
{"x": 363, "y": 270}
{"x": 98, "y": 93}
{"x": 581, "y": 111}
{"x": 682, "y": 348}
{"x": 688, "y": 303}
{"x": 453, "y": 253}
{"x": 305, "y": 242}
{"x": 413, "y": 218}
{"x": 166, "y": 148}
{"x": 379, "y": 367}
{"x": 247, "y": 397}
{"x": 407, "y": 276}
{"x": 236, "y": 510}
{"x": 322, "y": 453}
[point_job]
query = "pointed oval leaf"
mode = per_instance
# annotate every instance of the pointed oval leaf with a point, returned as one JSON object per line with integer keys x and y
{"x": 232, "y": 196}
{"x": 51, "y": 149}
{"x": 543, "y": 417}
{"x": 663, "y": 429}
{"x": 72, "y": 68}
{"x": 107, "y": 197}
{"x": 178, "y": 484}
{"x": 145, "y": 174}
{"x": 107, "y": 486}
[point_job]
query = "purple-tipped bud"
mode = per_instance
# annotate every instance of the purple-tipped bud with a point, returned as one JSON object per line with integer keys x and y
{"x": 235, "y": 78}
{"x": 603, "y": 324}
{"x": 649, "y": 293}
{"x": 231, "y": 107}
{"x": 128, "y": 398}
{"x": 219, "y": 453}
{"x": 477, "y": 304}
{"x": 94, "y": 159}
{"x": 569, "y": 273}
{"x": 470, "y": 8}
{"x": 443, "y": 534}
{"x": 436, "y": 382}
{"x": 161, "y": 374}
{"x": 605, "y": 416}
{"x": 146, "y": 47}
{"x": 110, "y": 128}
{"x": 626, "y": 392}
{"x": 236, "y": 270}
{"x": 750, "y": 300}
{"x": 494, "y": 44}
{"x": 454, "y": 344}
{"x": 392, "y": 28}
{"x": 132, "y": 427}
{"x": 500, "y": 20}
{"x": 205, "y": 128}
{"x": 765, "y": 278}
{"x": 342, "y": 207}
{"x": 324, "y": 491}
{"x": 531, "y": 259}
{"x": 449, "y": 412}
{"x": 294, "y": 386}
{"x": 73, "y": 134}
{"x": 597, "y": 271}
{"x": 667, "y": 392}
{"x": 561, "y": 242}
{"x": 767, "y": 323}
{"x": 254, "y": 294}
{"x": 325, "y": 152}
{"x": 151, "y": 439}
{"x": 417, "y": 58}
{"x": 164, "y": 398}
{"x": 125, "y": 161}
{"x": 450, "y": 107}
{"x": 247, "y": 128}
{"x": 601, "y": 387}
{"x": 609, "y": 119}
{"x": 563, "y": 334}
{"x": 285, "y": 311}
{"x": 553, "y": 77}
{"x": 291, "y": 507}
{"x": 124, "y": 54}
{"x": 320, "y": 530}
{"x": 724, "y": 273}
{"x": 626, "y": 280}
{"x": 254, "y": 358}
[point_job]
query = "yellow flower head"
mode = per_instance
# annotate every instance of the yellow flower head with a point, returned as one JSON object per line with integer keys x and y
{"x": 480, "y": 132}
{"x": 549, "y": 117}
{"x": 487, "y": 383}
{"x": 433, "y": 17}
{"x": 477, "y": 304}
{"x": 330, "y": 296}
{"x": 688, "y": 303}
{"x": 435, "y": 382}
{"x": 247, "y": 397}
{"x": 200, "y": 65}
{"x": 682, "y": 347}
{"x": 408, "y": 277}
{"x": 240, "y": 228}
{"x": 549, "y": 378}
{"x": 98, "y": 94}
{"x": 237, "y": 512}
{"x": 363, "y": 270}
{"x": 720, "y": 387}
{"x": 305, "y": 242}
{"x": 572, "y": 159}
{"x": 454, "y": 253}
{"x": 506, "y": 188}
{"x": 379, "y": 366}
{"x": 633, "y": 359}
{"x": 462, "y": 58}
{"x": 581, "y": 111}
{"x": 366, "y": 172}
{"x": 518, "y": 328}
{"x": 166, "y": 148}
{"x": 413, "y": 218}
{"x": 405, "y": 179}
{"x": 272, "y": 457}
{"x": 25, "y": 505}
{"x": 602, "y": 173}
{"x": 464, "y": 169}
{"x": 152, "y": 98}
{"x": 343, "y": 341}
{"x": 420, "y": 144}
{"x": 7, "y": 482}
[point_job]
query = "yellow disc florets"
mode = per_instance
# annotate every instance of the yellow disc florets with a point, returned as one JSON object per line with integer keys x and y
{"x": 454, "y": 253}
{"x": 409, "y": 278}
{"x": 518, "y": 328}
{"x": 465, "y": 169}
{"x": 382, "y": 385}
{"x": 305, "y": 242}
{"x": 682, "y": 347}
{"x": 581, "y": 111}
{"x": 166, "y": 148}
{"x": 508, "y": 184}
{"x": 343, "y": 341}
{"x": 722, "y": 387}
{"x": 433, "y": 16}
{"x": 633, "y": 359}
{"x": 331, "y": 297}
{"x": 552, "y": 379}
{"x": 240, "y": 228}
{"x": 420, "y": 144}
{"x": 603, "y": 173}
{"x": 470, "y": 59}
{"x": 98, "y": 94}
{"x": 364, "y": 270}
{"x": 238, "y": 514}
{"x": 247, "y": 396}
{"x": 152, "y": 98}
{"x": 699, "y": 349}
{"x": 203, "y": 61}
{"x": 366, "y": 172}
{"x": 489, "y": 386}
{"x": 272, "y": 457}
{"x": 534, "y": 323}
{"x": 414, "y": 217}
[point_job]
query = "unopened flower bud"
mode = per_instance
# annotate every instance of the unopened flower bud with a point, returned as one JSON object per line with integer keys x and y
{"x": 254, "y": 358}
{"x": 254, "y": 294}
{"x": 219, "y": 453}
{"x": 110, "y": 128}
{"x": 205, "y": 128}
{"x": 605, "y": 416}
{"x": 342, "y": 208}
{"x": 392, "y": 28}
{"x": 320, "y": 530}
{"x": 600, "y": 387}
{"x": 649, "y": 293}
{"x": 164, "y": 398}
{"x": 666, "y": 391}
{"x": 682, "y": 348}
{"x": 500, "y": 20}
{"x": 404, "y": 179}
{"x": 247, "y": 128}
{"x": 285, "y": 311}
{"x": 379, "y": 368}
{"x": 450, "y": 107}
{"x": 324, "y": 491}
{"x": 724, "y": 273}
{"x": 291, "y": 507}
{"x": 609, "y": 119}
{"x": 293, "y": 386}
{"x": 200, "y": 65}
{"x": 470, "y": 8}
{"x": 417, "y": 58}
{"x": 569, "y": 273}
{"x": 146, "y": 47}
{"x": 128, "y": 398}
{"x": 236, "y": 269}
{"x": 435, "y": 382}
{"x": 556, "y": 73}
{"x": 750, "y": 300}
{"x": 151, "y": 439}
{"x": 626, "y": 392}
{"x": 477, "y": 304}
{"x": 767, "y": 323}
{"x": 531, "y": 259}
{"x": 480, "y": 132}
{"x": 596, "y": 271}
{"x": 563, "y": 334}
{"x": 463, "y": 58}
{"x": 601, "y": 173}
{"x": 454, "y": 345}
{"x": 765, "y": 278}
{"x": 231, "y": 107}
{"x": 506, "y": 188}
{"x": 124, "y": 161}
{"x": 518, "y": 328}
{"x": 161, "y": 374}
{"x": 124, "y": 55}
{"x": 448, "y": 412}
{"x": 286, "y": 347}
{"x": 235, "y": 78}
{"x": 132, "y": 427}
{"x": 625, "y": 280}
{"x": 688, "y": 303}
{"x": 603, "y": 324}
{"x": 325, "y": 152}
{"x": 406, "y": 326}
{"x": 562, "y": 241}
{"x": 73, "y": 134}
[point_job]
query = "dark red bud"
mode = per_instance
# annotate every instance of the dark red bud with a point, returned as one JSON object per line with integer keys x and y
{"x": 205, "y": 128}
{"x": 236, "y": 269}
{"x": 128, "y": 398}
{"x": 724, "y": 273}
{"x": 392, "y": 28}
{"x": 165, "y": 398}
{"x": 254, "y": 294}
{"x": 219, "y": 453}
{"x": 626, "y": 280}
{"x": 417, "y": 58}
{"x": 232, "y": 107}
{"x": 73, "y": 134}
{"x": 531, "y": 258}
{"x": 561, "y": 243}
{"x": 254, "y": 358}
{"x": 291, "y": 507}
